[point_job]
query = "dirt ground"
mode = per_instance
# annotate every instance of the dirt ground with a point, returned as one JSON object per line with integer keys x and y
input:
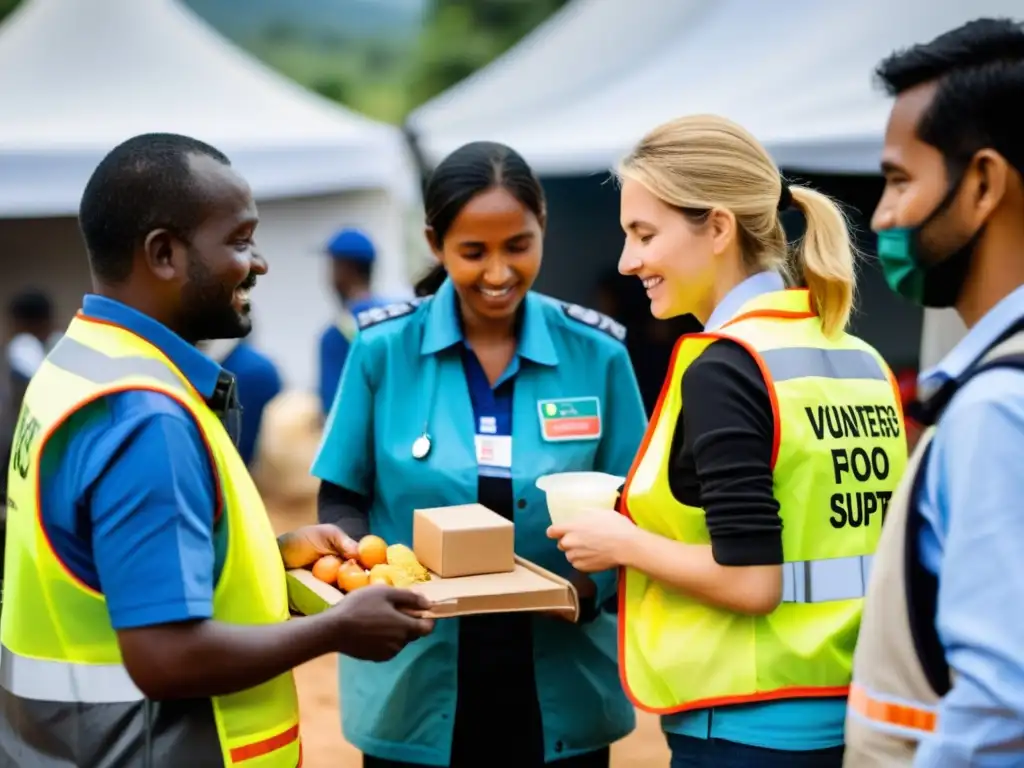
{"x": 322, "y": 744}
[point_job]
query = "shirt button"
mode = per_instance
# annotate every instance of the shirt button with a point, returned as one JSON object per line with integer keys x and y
{"x": 521, "y": 503}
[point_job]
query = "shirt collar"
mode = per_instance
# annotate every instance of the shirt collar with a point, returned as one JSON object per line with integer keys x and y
{"x": 200, "y": 370}
{"x": 749, "y": 289}
{"x": 983, "y": 335}
{"x": 442, "y": 328}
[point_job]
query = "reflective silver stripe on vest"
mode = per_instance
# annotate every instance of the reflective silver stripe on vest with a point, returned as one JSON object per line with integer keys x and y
{"x": 77, "y": 358}
{"x": 804, "y": 362}
{"x": 66, "y": 682}
{"x": 824, "y": 581}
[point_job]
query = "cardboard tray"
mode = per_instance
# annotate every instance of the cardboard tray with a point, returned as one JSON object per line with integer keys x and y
{"x": 528, "y": 588}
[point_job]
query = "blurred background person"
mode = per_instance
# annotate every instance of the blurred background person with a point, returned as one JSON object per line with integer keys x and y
{"x": 257, "y": 381}
{"x": 456, "y": 399}
{"x": 352, "y": 258}
{"x": 30, "y": 320}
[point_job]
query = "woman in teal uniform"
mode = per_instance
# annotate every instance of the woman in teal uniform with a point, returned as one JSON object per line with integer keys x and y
{"x": 441, "y": 403}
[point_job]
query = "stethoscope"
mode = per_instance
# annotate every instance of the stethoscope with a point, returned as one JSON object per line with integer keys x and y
{"x": 421, "y": 445}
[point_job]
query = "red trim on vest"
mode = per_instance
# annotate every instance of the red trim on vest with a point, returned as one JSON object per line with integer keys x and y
{"x": 266, "y": 746}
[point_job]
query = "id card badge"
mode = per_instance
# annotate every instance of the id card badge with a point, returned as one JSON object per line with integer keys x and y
{"x": 575, "y": 418}
{"x": 494, "y": 455}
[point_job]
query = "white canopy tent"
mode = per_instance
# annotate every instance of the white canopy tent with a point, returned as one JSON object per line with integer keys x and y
{"x": 574, "y": 96}
{"x": 77, "y": 78}
{"x": 580, "y": 50}
{"x": 577, "y": 93}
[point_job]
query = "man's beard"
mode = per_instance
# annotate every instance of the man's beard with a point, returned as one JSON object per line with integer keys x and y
{"x": 207, "y": 307}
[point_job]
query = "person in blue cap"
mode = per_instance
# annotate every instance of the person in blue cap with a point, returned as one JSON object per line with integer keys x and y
{"x": 352, "y": 256}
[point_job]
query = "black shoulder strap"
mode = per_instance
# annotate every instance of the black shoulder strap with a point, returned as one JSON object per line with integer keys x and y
{"x": 922, "y": 585}
{"x": 923, "y": 596}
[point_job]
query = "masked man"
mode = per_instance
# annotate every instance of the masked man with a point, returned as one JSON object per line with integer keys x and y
{"x": 939, "y": 669}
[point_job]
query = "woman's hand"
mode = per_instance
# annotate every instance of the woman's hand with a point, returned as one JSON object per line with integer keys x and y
{"x": 595, "y": 540}
{"x": 306, "y": 545}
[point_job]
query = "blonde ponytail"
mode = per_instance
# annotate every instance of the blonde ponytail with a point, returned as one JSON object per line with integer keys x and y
{"x": 825, "y": 258}
{"x": 707, "y": 161}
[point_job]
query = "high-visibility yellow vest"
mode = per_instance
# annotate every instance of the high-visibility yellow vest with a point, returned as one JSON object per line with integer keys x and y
{"x": 839, "y": 452}
{"x": 66, "y": 696}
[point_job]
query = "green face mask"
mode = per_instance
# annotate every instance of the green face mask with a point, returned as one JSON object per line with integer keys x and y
{"x": 896, "y": 257}
{"x": 915, "y": 273}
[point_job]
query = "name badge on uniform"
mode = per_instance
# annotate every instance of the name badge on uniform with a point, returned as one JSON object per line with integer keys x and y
{"x": 576, "y": 418}
{"x": 494, "y": 455}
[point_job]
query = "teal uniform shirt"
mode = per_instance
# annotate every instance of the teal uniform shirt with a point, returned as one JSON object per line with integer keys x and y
{"x": 404, "y": 376}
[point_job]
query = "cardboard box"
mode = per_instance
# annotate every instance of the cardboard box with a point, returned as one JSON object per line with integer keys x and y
{"x": 528, "y": 587}
{"x": 465, "y": 540}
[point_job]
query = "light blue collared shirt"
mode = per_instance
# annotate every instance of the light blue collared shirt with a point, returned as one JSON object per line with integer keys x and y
{"x": 972, "y": 502}
{"x": 792, "y": 725}
{"x": 748, "y": 290}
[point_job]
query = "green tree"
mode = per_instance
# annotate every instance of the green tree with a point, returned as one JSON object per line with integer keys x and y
{"x": 386, "y": 78}
{"x": 461, "y": 36}
{"x": 6, "y": 6}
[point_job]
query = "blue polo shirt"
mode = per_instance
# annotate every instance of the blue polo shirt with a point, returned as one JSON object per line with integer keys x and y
{"x": 334, "y": 346}
{"x": 258, "y": 382}
{"x": 492, "y": 406}
{"x": 123, "y": 518}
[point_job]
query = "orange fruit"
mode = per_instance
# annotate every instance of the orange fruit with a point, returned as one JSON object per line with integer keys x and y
{"x": 350, "y": 565}
{"x": 373, "y": 550}
{"x": 351, "y": 579}
{"x": 326, "y": 568}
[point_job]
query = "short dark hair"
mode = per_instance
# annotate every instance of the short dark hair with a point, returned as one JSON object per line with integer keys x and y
{"x": 469, "y": 170}
{"x": 979, "y": 70}
{"x": 31, "y": 306}
{"x": 143, "y": 184}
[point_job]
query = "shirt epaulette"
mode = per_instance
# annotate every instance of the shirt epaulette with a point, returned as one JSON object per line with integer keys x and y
{"x": 376, "y": 315}
{"x": 595, "y": 319}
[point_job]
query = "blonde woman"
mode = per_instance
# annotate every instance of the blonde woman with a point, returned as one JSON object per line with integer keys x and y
{"x": 752, "y": 509}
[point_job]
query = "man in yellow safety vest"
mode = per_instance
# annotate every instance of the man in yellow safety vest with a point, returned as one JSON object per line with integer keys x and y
{"x": 145, "y": 612}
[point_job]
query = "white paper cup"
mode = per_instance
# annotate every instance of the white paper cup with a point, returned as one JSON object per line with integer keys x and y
{"x": 572, "y": 493}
